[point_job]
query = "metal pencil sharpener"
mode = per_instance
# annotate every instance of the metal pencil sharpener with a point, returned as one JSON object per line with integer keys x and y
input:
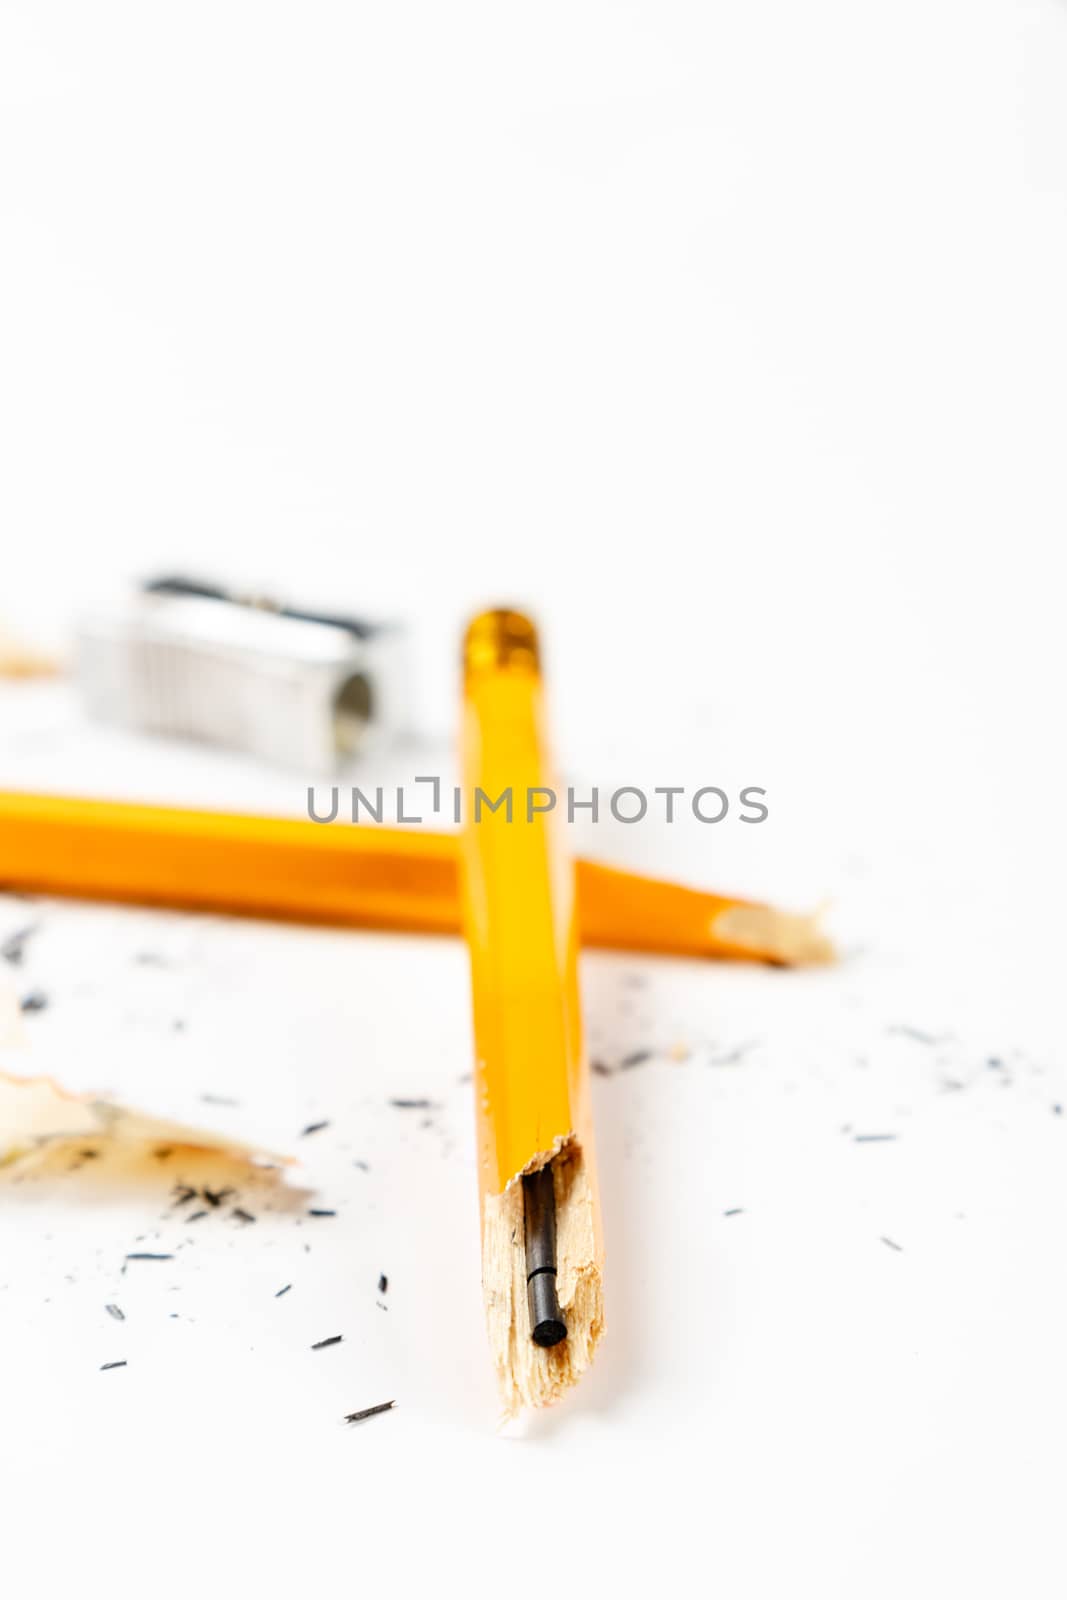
{"x": 297, "y": 688}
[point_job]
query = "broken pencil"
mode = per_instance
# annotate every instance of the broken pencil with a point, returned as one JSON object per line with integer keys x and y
{"x": 541, "y": 1250}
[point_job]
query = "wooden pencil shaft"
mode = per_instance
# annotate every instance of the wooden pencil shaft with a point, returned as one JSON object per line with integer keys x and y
{"x": 519, "y": 910}
{"x": 542, "y": 1243}
{"x": 359, "y": 876}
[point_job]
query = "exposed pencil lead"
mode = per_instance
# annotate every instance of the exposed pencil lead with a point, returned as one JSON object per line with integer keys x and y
{"x": 547, "y": 1326}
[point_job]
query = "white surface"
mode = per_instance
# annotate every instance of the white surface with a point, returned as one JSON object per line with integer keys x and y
{"x": 779, "y": 1392}
{"x": 732, "y": 340}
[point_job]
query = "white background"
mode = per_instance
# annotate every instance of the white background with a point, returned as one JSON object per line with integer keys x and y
{"x": 732, "y": 340}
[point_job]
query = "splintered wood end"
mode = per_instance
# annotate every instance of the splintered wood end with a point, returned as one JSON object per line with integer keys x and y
{"x": 528, "y": 1375}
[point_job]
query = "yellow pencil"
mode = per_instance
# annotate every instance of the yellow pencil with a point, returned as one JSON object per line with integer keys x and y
{"x": 541, "y": 1242}
{"x": 368, "y": 877}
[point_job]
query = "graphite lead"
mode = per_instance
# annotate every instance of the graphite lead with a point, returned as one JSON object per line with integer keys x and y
{"x": 547, "y": 1326}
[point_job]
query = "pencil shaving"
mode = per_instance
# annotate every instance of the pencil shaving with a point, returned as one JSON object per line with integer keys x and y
{"x": 37, "y": 1115}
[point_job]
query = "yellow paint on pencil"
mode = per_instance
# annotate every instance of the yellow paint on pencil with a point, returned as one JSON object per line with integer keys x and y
{"x": 532, "y": 1092}
{"x": 369, "y": 877}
